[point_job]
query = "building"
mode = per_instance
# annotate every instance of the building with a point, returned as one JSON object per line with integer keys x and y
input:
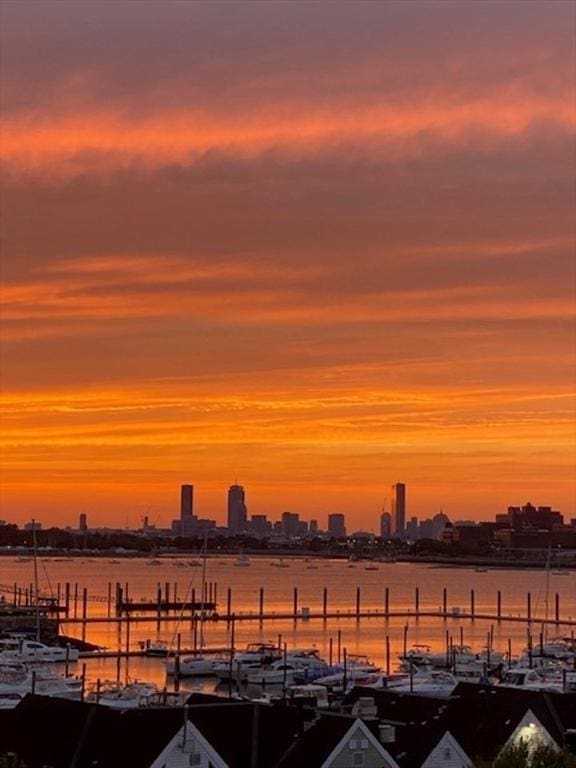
{"x": 83, "y": 522}
{"x": 237, "y": 512}
{"x": 290, "y": 524}
{"x": 337, "y": 525}
{"x": 398, "y": 510}
{"x": 313, "y": 527}
{"x": 260, "y": 525}
{"x": 385, "y": 525}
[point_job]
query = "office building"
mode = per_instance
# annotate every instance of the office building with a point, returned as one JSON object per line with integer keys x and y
{"x": 290, "y": 524}
{"x": 337, "y": 525}
{"x": 237, "y": 512}
{"x": 83, "y": 522}
{"x": 385, "y": 525}
{"x": 398, "y": 510}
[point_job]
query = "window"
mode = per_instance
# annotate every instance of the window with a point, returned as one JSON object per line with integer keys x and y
{"x": 447, "y": 753}
{"x": 358, "y": 759}
{"x": 352, "y": 744}
{"x": 196, "y": 759}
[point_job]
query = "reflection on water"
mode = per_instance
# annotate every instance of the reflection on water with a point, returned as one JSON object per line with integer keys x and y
{"x": 365, "y": 636}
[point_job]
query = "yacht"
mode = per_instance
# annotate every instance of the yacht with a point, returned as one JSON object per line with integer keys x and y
{"x": 113, "y": 694}
{"x": 197, "y": 665}
{"x": 242, "y": 561}
{"x": 21, "y": 649}
{"x": 18, "y": 680}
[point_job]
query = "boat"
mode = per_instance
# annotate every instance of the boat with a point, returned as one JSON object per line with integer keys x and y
{"x": 153, "y": 562}
{"x": 434, "y": 683}
{"x": 17, "y": 679}
{"x": 242, "y": 561}
{"x": 280, "y": 564}
{"x": 371, "y": 567}
{"x": 24, "y": 650}
{"x": 480, "y": 569}
{"x": 309, "y": 694}
{"x": 279, "y": 672}
{"x": 253, "y": 657}
{"x": 196, "y": 665}
{"x": 155, "y": 648}
{"x": 561, "y": 572}
{"x": 133, "y": 695}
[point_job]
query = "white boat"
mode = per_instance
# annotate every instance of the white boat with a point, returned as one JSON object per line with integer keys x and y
{"x": 251, "y": 659}
{"x": 531, "y": 679}
{"x": 279, "y": 672}
{"x": 131, "y": 696}
{"x": 20, "y": 649}
{"x": 242, "y": 561}
{"x": 315, "y": 695}
{"x": 435, "y": 683}
{"x": 197, "y": 665}
{"x": 20, "y": 679}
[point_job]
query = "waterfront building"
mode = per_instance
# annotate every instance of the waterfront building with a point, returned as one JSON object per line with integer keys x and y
{"x": 237, "y": 511}
{"x": 83, "y": 522}
{"x": 399, "y": 510}
{"x": 337, "y": 525}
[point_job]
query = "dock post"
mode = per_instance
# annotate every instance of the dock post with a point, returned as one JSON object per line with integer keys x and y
{"x": 387, "y": 654}
{"x": 445, "y": 601}
{"x": 357, "y": 603}
{"x": 127, "y": 634}
{"x": 472, "y": 604}
{"x": 67, "y": 598}
{"x": 109, "y": 600}
{"x": 339, "y": 646}
{"x": 192, "y": 606}
{"x": 215, "y": 595}
{"x": 167, "y": 594}
{"x": 75, "y": 599}
{"x": 229, "y": 602}
{"x": 529, "y": 606}
{"x": 499, "y": 605}
{"x": 330, "y": 651}
{"x": 557, "y": 608}
{"x": 325, "y": 603}
{"x": 387, "y": 601}
{"x": 175, "y": 591}
{"x": 261, "y": 603}
{"x": 126, "y": 592}
{"x": 84, "y": 611}
{"x": 417, "y": 600}
{"x": 405, "y": 641}
{"x": 295, "y": 602}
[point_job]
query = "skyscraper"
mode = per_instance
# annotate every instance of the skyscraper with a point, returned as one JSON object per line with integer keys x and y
{"x": 385, "y": 525}
{"x": 337, "y": 525}
{"x": 187, "y": 520}
{"x": 398, "y": 510}
{"x": 237, "y": 513}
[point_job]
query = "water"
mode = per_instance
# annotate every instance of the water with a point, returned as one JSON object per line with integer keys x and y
{"x": 310, "y": 577}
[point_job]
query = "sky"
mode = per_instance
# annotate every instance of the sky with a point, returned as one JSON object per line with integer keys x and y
{"x": 317, "y": 248}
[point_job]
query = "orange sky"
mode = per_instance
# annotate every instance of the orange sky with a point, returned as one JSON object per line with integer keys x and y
{"x": 319, "y": 247}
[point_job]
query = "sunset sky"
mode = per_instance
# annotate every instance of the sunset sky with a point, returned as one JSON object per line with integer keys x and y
{"x": 317, "y": 247}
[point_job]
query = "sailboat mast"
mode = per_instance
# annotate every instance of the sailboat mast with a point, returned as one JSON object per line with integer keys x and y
{"x": 36, "y": 591}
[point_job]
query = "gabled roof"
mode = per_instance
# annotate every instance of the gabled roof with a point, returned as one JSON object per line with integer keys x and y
{"x": 322, "y": 739}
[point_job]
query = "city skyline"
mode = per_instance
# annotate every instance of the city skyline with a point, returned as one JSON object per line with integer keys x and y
{"x": 320, "y": 247}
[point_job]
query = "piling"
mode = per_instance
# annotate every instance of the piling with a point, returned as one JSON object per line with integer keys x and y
{"x": 387, "y": 601}
{"x": 529, "y": 606}
{"x": 417, "y": 601}
{"x": 499, "y": 605}
{"x": 261, "y": 602}
{"x": 472, "y": 604}
{"x": 295, "y": 602}
{"x": 357, "y": 603}
{"x": 325, "y": 603}
{"x": 444, "y": 601}
{"x": 557, "y": 608}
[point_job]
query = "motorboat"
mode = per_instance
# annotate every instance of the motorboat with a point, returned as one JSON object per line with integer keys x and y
{"x": 435, "y": 683}
{"x": 531, "y": 679}
{"x": 279, "y": 672}
{"x": 17, "y": 678}
{"x": 156, "y": 648}
{"x": 252, "y": 658}
{"x": 197, "y": 665}
{"x": 133, "y": 695}
{"x": 242, "y": 561}
{"x": 21, "y": 649}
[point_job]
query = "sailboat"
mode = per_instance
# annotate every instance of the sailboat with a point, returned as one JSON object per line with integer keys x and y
{"x": 197, "y": 664}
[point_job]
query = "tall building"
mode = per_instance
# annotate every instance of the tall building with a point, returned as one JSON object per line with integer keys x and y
{"x": 337, "y": 525}
{"x": 186, "y": 502}
{"x": 237, "y": 512}
{"x": 187, "y": 519}
{"x": 385, "y": 525}
{"x": 83, "y": 522}
{"x": 290, "y": 524}
{"x": 399, "y": 510}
